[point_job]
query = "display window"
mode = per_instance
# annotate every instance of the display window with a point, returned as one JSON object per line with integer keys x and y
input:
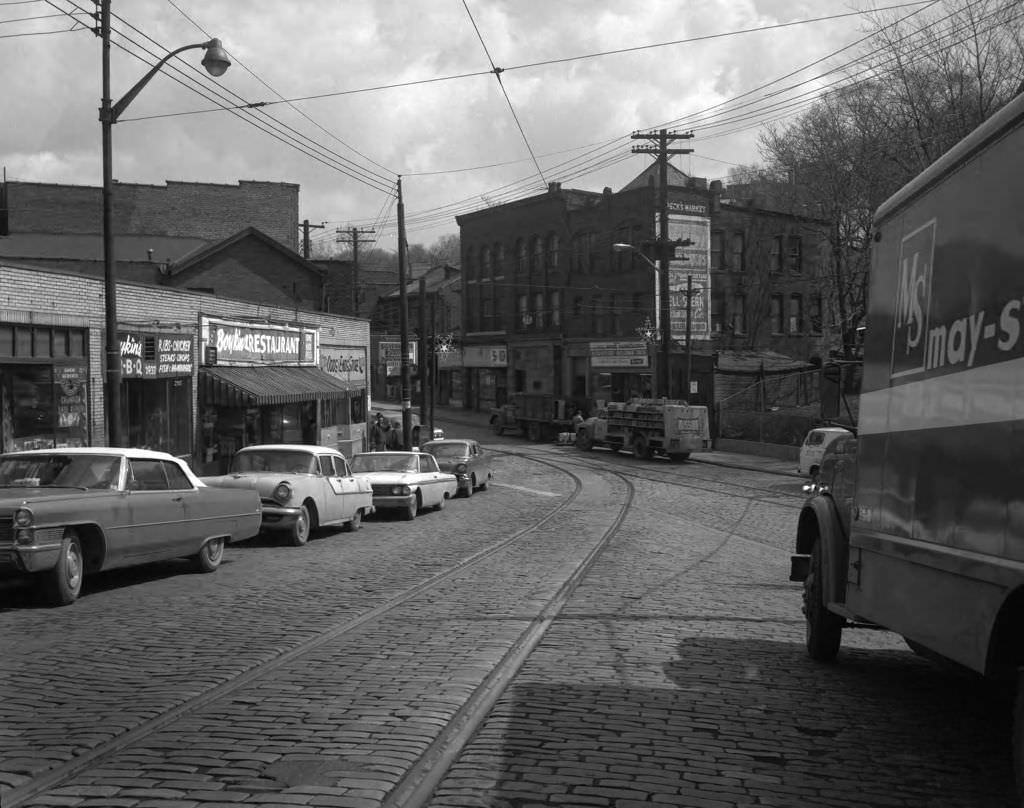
{"x": 43, "y": 406}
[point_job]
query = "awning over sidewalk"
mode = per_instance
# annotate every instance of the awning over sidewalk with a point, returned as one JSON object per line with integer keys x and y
{"x": 268, "y": 385}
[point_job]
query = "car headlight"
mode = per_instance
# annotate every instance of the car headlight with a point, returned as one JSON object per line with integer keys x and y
{"x": 401, "y": 490}
{"x": 282, "y": 493}
{"x": 461, "y": 468}
{"x": 23, "y": 517}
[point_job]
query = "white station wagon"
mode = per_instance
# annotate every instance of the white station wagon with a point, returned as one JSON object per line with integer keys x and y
{"x": 301, "y": 488}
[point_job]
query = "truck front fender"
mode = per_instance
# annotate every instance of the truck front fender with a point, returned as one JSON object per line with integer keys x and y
{"x": 819, "y": 522}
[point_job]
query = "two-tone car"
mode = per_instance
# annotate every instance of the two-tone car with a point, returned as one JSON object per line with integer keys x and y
{"x": 405, "y": 481}
{"x": 301, "y": 488}
{"x": 466, "y": 459}
{"x": 66, "y": 513}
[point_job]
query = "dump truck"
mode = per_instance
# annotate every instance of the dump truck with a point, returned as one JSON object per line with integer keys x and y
{"x": 647, "y": 427}
{"x": 538, "y": 416}
{"x": 915, "y": 524}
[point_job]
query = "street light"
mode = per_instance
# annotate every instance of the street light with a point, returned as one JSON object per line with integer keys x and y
{"x": 662, "y": 320}
{"x": 216, "y": 62}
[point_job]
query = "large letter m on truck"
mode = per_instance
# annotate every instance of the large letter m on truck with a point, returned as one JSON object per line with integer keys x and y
{"x": 913, "y": 299}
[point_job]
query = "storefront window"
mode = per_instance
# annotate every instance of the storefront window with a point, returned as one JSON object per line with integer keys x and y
{"x": 31, "y": 407}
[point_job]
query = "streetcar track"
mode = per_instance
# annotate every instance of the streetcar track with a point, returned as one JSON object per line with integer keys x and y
{"x": 53, "y": 777}
{"x": 422, "y": 778}
{"x": 655, "y": 475}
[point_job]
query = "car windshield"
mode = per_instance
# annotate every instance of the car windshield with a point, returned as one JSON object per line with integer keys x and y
{"x": 384, "y": 462}
{"x": 58, "y": 470}
{"x": 276, "y": 461}
{"x": 447, "y": 449}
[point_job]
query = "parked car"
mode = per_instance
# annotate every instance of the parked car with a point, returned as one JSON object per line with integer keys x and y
{"x": 406, "y": 481}
{"x": 67, "y": 513}
{"x": 814, "y": 445}
{"x": 302, "y": 488}
{"x": 464, "y": 458}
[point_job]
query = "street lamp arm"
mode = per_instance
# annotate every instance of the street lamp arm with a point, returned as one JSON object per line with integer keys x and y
{"x": 618, "y": 247}
{"x": 218, "y": 62}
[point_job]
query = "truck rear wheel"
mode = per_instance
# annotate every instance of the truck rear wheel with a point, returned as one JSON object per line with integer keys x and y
{"x": 824, "y": 629}
{"x": 533, "y": 431}
{"x": 641, "y": 448}
{"x": 584, "y": 441}
{"x": 1018, "y": 738}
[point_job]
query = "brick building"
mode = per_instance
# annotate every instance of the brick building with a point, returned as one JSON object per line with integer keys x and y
{"x": 550, "y": 307}
{"x": 202, "y": 374}
{"x": 61, "y": 226}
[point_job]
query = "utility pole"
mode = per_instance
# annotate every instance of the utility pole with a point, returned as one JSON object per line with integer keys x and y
{"x": 433, "y": 362}
{"x": 689, "y": 347}
{"x": 403, "y": 320}
{"x": 352, "y": 237}
{"x": 423, "y": 352}
{"x": 306, "y": 227}
{"x": 662, "y": 138}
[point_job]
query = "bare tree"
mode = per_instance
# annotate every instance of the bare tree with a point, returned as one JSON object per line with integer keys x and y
{"x": 922, "y": 84}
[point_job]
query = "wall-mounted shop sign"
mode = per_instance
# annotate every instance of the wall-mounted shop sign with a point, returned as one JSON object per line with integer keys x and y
{"x": 452, "y": 358}
{"x": 619, "y": 355}
{"x": 390, "y": 354}
{"x": 346, "y": 364}
{"x": 237, "y": 343}
{"x": 151, "y": 355}
{"x": 485, "y": 356}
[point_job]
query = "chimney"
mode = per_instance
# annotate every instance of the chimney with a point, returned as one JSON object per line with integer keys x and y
{"x": 716, "y": 196}
{"x": 554, "y": 187}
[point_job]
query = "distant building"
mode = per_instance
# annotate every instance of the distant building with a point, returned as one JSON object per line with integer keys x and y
{"x": 549, "y": 306}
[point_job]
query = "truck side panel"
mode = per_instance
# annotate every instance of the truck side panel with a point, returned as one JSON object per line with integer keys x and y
{"x": 937, "y": 537}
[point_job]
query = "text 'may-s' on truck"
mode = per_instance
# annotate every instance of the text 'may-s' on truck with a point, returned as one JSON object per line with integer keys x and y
{"x": 916, "y": 525}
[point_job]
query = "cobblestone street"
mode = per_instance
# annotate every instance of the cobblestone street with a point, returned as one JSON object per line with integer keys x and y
{"x": 352, "y": 671}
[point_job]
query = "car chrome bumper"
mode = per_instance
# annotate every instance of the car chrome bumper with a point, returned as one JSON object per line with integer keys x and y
{"x": 41, "y": 554}
{"x": 278, "y": 517}
{"x": 394, "y": 501}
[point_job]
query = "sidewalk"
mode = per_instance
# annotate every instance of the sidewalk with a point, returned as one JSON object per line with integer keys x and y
{"x": 460, "y": 417}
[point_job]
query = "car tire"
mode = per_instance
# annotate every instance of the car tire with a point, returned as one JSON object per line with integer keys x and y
{"x": 300, "y": 530}
{"x": 210, "y": 555}
{"x": 440, "y": 505}
{"x": 484, "y": 484}
{"x": 824, "y": 630}
{"x": 64, "y": 581}
{"x": 356, "y": 522}
{"x": 410, "y": 511}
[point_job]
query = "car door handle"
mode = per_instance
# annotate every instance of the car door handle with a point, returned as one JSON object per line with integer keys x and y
{"x": 177, "y": 499}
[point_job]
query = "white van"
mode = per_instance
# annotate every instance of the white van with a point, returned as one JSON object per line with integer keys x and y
{"x": 814, "y": 446}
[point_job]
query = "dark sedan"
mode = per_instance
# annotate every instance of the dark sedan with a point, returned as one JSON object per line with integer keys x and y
{"x": 466, "y": 459}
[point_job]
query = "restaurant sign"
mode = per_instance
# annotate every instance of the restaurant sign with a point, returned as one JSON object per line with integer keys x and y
{"x": 149, "y": 355}
{"x": 237, "y": 343}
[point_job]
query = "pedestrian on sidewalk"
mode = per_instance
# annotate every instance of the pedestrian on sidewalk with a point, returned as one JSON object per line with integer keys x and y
{"x": 378, "y": 437}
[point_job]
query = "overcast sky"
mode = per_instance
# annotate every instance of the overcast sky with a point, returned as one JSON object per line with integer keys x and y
{"x": 344, "y": 135}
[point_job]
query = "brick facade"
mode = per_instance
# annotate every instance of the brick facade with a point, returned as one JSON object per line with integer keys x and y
{"x": 186, "y": 210}
{"x": 30, "y": 295}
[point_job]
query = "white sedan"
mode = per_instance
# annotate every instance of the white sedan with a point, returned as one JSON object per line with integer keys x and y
{"x": 406, "y": 481}
{"x": 302, "y": 488}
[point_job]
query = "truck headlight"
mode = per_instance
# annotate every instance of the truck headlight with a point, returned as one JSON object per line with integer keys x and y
{"x": 282, "y": 493}
{"x": 23, "y": 517}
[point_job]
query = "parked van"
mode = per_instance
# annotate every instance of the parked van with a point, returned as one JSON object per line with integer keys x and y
{"x": 814, "y": 446}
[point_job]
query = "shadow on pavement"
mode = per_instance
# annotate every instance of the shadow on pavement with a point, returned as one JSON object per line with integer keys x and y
{"x": 756, "y": 723}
